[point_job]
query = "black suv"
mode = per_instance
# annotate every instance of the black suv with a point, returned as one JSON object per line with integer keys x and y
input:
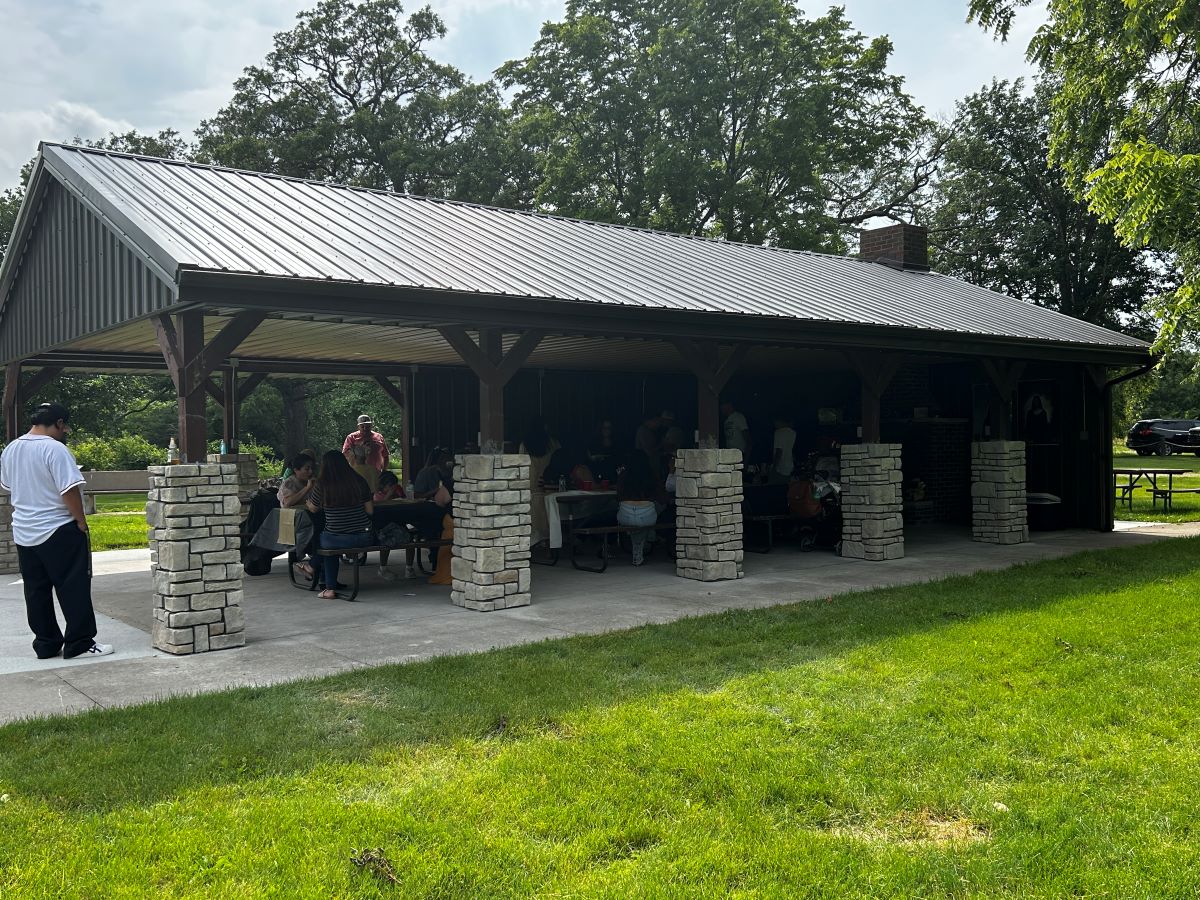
{"x": 1162, "y": 436}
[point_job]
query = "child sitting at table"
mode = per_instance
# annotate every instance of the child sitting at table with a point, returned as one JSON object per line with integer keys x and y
{"x": 388, "y": 487}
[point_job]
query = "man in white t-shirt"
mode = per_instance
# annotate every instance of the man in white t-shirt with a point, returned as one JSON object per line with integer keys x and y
{"x": 51, "y": 534}
{"x": 783, "y": 446}
{"x": 737, "y": 431}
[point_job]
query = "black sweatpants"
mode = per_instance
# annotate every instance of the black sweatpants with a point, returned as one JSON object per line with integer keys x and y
{"x": 61, "y": 563}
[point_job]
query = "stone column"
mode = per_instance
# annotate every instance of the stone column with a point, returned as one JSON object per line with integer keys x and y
{"x": 490, "y": 567}
{"x": 708, "y": 514}
{"x": 193, "y": 511}
{"x": 247, "y": 474}
{"x": 8, "y": 550}
{"x": 998, "y": 511}
{"x": 872, "y": 503}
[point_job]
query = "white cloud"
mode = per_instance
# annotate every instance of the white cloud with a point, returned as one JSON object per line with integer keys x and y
{"x": 88, "y": 67}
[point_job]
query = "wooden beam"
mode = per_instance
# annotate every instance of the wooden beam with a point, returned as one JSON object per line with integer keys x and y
{"x": 875, "y": 372}
{"x": 396, "y": 393}
{"x": 215, "y": 391}
{"x": 408, "y": 471}
{"x": 253, "y": 380}
{"x": 495, "y": 369}
{"x": 168, "y": 343}
{"x": 40, "y": 379}
{"x": 1004, "y": 376}
{"x": 217, "y": 351}
{"x": 704, "y": 359}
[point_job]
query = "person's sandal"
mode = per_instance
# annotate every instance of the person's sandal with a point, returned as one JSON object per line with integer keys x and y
{"x": 304, "y": 569}
{"x": 328, "y": 595}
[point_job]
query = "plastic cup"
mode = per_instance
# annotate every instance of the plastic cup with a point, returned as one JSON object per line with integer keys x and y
{"x": 587, "y": 485}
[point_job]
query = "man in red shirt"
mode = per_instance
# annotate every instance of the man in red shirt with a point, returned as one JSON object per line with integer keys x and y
{"x": 370, "y": 440}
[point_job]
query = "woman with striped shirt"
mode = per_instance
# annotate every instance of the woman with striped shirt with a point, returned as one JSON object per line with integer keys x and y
{"x": 346, "y": 500}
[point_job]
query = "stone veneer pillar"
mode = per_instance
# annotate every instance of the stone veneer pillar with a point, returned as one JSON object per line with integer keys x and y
{"x": 194, "y": 513}
{"x": 247, "y": 474}
{"x": 8, "y": 550}
{"x": 490, "y": 568}
{"x": 872, "y": 503}
{"x": 708, "y": 514}
{"x": 999, "y": 514}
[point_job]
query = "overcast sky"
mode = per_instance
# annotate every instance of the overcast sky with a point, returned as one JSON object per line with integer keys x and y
{"x": 88, "y": 67}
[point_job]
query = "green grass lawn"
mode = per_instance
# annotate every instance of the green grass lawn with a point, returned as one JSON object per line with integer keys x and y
{"x": 1185, "y": 507}
{"x": 119, "y": 522}
{"x": 1016, "y": 734}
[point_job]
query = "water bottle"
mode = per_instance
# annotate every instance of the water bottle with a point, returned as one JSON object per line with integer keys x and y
{"x": 410, "y": 490}
{"x": 172, "y": 452}
{"x": 224, "y": 447}
{"x": 562, "y": 482}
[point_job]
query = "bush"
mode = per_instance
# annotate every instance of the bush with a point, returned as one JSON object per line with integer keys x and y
{"x": 127, "y": 452}
{"x": 269, "y": 465}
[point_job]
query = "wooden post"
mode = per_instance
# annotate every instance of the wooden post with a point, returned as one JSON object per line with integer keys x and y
{"x": 875, "y": 373}
{"x": 1004, "y": 377}
{"x": 494, "y": 369}
{"x": 408, "y": 471}
{"x": 711, "y": 377}
{"x": 230, "y": 407}
{"x": 190, "y": 362}
{"x": 491, "y": 395}
{"x": 399, "y": 396}
{"x": 12, "y": 401}
{"x": 193, "y": 438}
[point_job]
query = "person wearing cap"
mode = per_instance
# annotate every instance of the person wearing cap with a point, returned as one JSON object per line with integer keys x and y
{"x": 51, "y": 534}
{"x": 366, "y": 438}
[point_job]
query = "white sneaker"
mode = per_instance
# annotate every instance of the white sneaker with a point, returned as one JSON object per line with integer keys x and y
{"x": 410, "y": 572}
{"x": 94, "y": 650}
{"x": 387, "y": 574}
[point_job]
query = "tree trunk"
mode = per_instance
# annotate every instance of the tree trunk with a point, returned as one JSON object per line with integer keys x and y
{"x": 294, "y": 393}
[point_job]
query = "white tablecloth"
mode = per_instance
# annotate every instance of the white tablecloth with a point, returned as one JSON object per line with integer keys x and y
{"x": 574, "y": 505}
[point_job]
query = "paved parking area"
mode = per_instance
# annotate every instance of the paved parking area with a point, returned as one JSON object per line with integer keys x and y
{"x": 292, "y": 634}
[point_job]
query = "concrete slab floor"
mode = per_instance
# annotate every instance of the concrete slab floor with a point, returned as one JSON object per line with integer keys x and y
{"x": 291, "y": 634}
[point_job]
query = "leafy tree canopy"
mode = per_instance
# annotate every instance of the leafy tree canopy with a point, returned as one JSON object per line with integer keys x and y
{"x": 1006, "y": 220}
{"x": 743, "y": 120}
{"x": 350, "y": 95}
{"x": 1125, "y": 121}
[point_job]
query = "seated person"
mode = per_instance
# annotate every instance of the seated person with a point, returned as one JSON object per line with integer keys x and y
{"x": 438, "y": 472}
{"x": 388, "y": 487}
{"x": 345, "y": 498}
{"x": 636, "y": 506}
{"x": 295, "y": 488}
{"x": 290, "y": 468}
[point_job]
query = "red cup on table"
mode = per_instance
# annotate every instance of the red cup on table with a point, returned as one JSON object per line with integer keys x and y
{"x": 587, "y": 485}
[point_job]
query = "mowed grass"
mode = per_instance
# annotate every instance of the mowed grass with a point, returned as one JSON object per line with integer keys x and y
{"x": 1184, "y": 507}
{"x": 1028, "y": 733}
{"x": 119, "y": 522}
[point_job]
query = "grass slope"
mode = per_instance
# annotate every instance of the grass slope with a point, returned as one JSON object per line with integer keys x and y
{"x": 119, "y": 522}
{"x": 1025, "y": 733}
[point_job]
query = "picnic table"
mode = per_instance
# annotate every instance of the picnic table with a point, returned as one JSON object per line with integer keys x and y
{"x": 571, "y": 507}
{"x": 1134, "y": 476}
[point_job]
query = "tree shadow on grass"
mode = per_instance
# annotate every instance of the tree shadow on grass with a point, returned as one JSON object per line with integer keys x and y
{"x": 111, "y": 758}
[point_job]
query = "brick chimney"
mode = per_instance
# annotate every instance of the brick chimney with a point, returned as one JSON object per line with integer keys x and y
{"x": 899, "y": 246}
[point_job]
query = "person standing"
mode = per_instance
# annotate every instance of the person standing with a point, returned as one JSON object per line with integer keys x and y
{"x": 737, "y": 431}
{"x": 783, "y": 448}
{"x": 51, "y": 534}
{"x": 371, "y": 440}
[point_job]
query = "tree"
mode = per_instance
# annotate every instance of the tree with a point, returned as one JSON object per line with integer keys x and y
{"x": 1005, "y": 220}
{"x": 743, "y": 120}
{"x": 1125, "y": 121}
{"x": 350, "y": 95}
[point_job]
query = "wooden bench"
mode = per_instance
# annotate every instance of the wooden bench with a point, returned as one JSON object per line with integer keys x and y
{"x": 602, "y": 531}
{"x": 1168, "y": 494}
{"x": 358, "y": 556}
